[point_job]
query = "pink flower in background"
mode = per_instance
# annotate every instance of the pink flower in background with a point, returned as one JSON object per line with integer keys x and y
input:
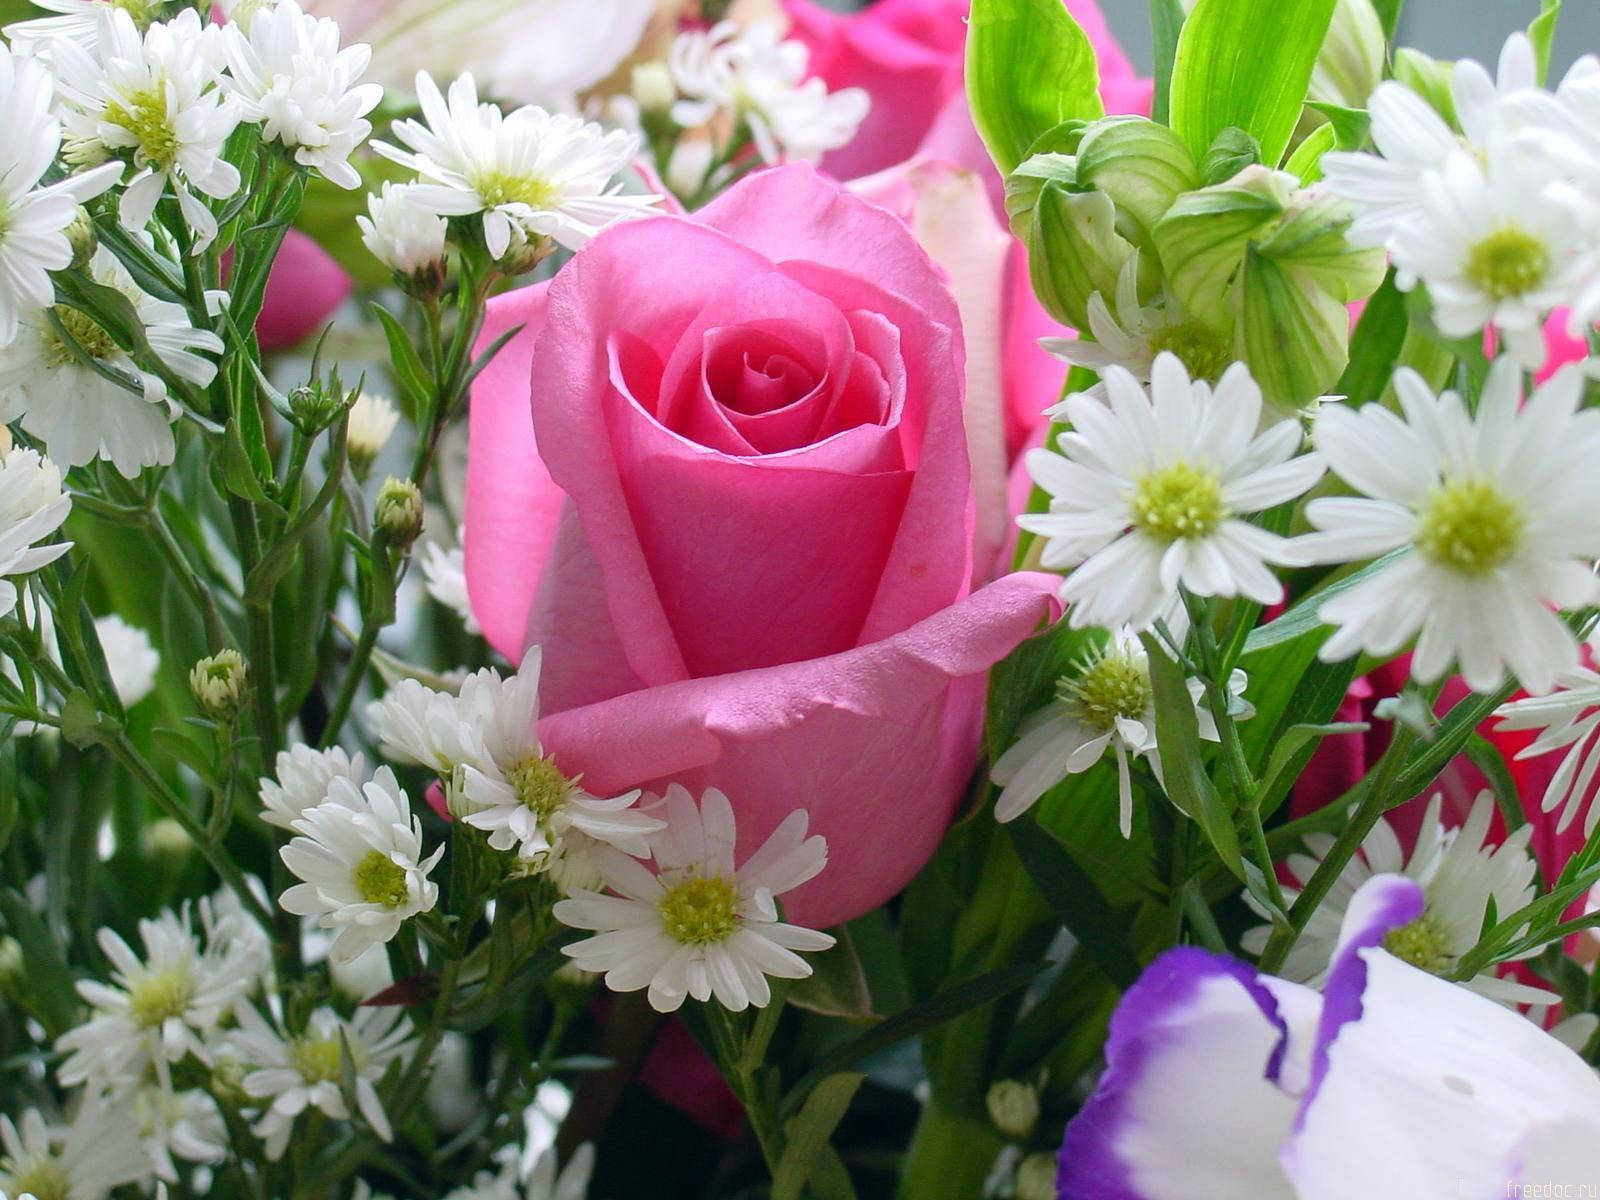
{"x": 744, "y": 534}
{"x": 304, "y": 289}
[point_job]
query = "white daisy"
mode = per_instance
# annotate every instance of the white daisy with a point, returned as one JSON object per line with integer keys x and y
{"x": 303, "y": 775}
{"x": 183, "y": 1125}
{"x": 531, "y": 174}
{"x": 32, "y": 507}
{"x": 114, "y": 409}
{"x": 76, "y": 21}
{"x": 1412, "y": 140}
{"x": 415, "y": 724}
{"x": 158, "y": 1009}
{"x": 1148, "y": 493}
{"x": 1567, "y": 717}
{"x": 360, "y": 855}
{"x": 402, "y": 234}
{"x": 444, "y": 573}
{"x": 1496, "y": 518}
{"x": 1498, "y": 244}
{"x": 698, "y": 926}
{"x": 130, "y": 657}
{"x": 34, "y": 219}
{"x": 288, "y": 73}
{"x": 154, "y": 98}
{"x": 1133, "y": 335}
{"x": 754, "y": 76}
{"x": 1460, "y": 877}
{"x": 97, "y": 1151}
{"x": 541, "y": 1183}
{"x": 1106, "y": 702}
{"x": 521, "y": 798}
{"x": 304, "y": 1071}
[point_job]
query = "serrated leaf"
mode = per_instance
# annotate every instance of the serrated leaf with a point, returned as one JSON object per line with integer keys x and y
{"x": 1029, "y": 68}
{"x": 1246, "y": 63}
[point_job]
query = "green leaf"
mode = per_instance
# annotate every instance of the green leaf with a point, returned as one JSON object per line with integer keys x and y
{"x": 1305, "y": 164}
{"x": 1101, "y": 930}
{"x": 1166, "y": 22}
{"x": 1486, "y": 756}
{"x": 837, "y": 986}
{"x": 409, "y": 373}
{"x": 1388, "y": 15}
{"x": 1182, "y": 771}
{"x": 1302, "y": 618}
{"x": 1231, "y": 152}
{"x": 50, "y": 993}
{"x": 808, "y": 1133}
{"x": 1290, "y": 331}
{"x": 1029, "y": 68}
{"x": 1542, "y": 33}
{"x": 1283, "y": 767}
{"x": 1350, "y": 125}
{"x": 946, "y": 1006}
{"x": 1246, "y": 63}
{"x": 82, "y": 724}
{"x": 1375, "y": 346}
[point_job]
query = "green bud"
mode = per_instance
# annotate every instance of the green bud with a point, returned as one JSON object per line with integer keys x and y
{"x": 524, "y": 255}
{"x": 1351, "y": 62}
{"x": 82, "y": 238}
{"x": 1025, "y": 183}
{"x": 652, "y": 87}
{"x": 1311, "y": 236}
{"x": 1293, "y": 334}
{"x": 1074, "y": 251}
{"x": 1013, "y": 1107}
{"x": 1202, "y": 239}
{"x": 166, "y": 839}
{"x": 398, "y": 511}
{"x": 1428, "y": 78}
{"x": 1231, "y": 152}
{"x": 217, "y": 684}
{"x": 1142, "y": 166}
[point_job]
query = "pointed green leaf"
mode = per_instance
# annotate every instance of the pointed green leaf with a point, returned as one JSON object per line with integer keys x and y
{"x": 810, "y": 1130}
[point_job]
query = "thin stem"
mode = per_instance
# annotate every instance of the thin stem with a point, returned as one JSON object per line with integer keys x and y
{"x": 351, "y": 683}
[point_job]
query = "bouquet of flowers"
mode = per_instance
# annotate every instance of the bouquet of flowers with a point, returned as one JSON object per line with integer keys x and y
{"x": 736, "y": 600}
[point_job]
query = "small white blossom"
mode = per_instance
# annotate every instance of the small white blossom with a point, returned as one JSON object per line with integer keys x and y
{"x": 1460, "y": 878}
{"x": 32, "y": 507}
{"x": 156, "y": 99}
{"x": 698, "y": 925}
{"x": 541, "y": 1183}
{"x": 372, "y": 421}
{"x": 76, "y": 21}
{"x": 303, "y": 776}
{"x": 96, "y": 1151}
{"x": 183, "y": 1125}
{"x": 107, "y": 407}
{"x": 444, "y": 573}
{"x": 755, "y": 77}
{"x": 531, "y": 174}
{"x": 304, "y": 1071}
{"x": 1107, "y": 703}
{"x": 1495, "y": 518}
{"x": 158, "y": 1009}
{"x": 415, "y": 724}
{"x": 130, "y": 656}
{"x": 1149, "y": 491}
{"x": 34, "y": 219}
{"x": 289, "y": 74}
{"x": 360, "y": 855}
{"x": 1567, "y": 717}
{"x": 402, "y": 233}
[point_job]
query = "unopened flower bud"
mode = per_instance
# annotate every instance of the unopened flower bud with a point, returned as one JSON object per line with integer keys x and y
{"x": 1351, "y": 62}
{"x": 1074, "y": 251}
{"x": 407, "y": 238}
{"x": 314, "y": 407}
{"x": 1428, "y": 78}
{"x": 524, "y": 254}
{"x": 1142, "y": 166}
{"x": 399, "y": 511}
{"x": 1036, "y": 1178}
{"x": 165, "y": 839}
{"x": 11, "y": 963}
{"x": 1203, "y": 237}
{"x": 218, "y": 684}
{"x": 227, "y": 1080}
{"x": 653, "y": 88}
{"x": 82, "y": 238}
{"x": 372, "y": 420}
{"x": 1013, "y": 1107}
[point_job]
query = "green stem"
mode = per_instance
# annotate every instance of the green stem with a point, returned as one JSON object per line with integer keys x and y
{"x": 351, "y": 683}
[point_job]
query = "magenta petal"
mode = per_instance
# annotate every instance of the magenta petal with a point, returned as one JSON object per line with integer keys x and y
{"x": 304, "y": 288}
{"x": 876, "y": 743}
{"x": 512, "y": 504}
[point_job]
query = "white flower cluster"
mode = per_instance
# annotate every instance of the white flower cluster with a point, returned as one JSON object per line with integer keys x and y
{"x": 751, "y": 76}
{"x": 1500, "y": 221}
{"x": 531, "y": 174}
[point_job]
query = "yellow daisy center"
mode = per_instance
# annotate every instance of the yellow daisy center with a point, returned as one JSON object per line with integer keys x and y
{"x": 1508, "y": 262}
{"x": 1180, "y": 501}
{"x": 144, "y": 116}
{"x": 701, "y": 911}
{"x": 499, "y": 187}
{"x": 540, "y": 786}
{"x": 1205, "y": 351}
{"x": 379, "y": 880}
{"x": 1423, "y": 944}
{"x": 316, "y": 1058}
{"x": 1114, "y": 685}
{"x": 91, "y": 339}
{"x": 45, "y": 1181}
{"x": 159, "y": 997}
{"x": 1469, "y": 526}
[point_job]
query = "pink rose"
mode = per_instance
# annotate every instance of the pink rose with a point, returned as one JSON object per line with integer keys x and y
{"x": 744, "y": 536}
{"x": 303, "y": 290}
